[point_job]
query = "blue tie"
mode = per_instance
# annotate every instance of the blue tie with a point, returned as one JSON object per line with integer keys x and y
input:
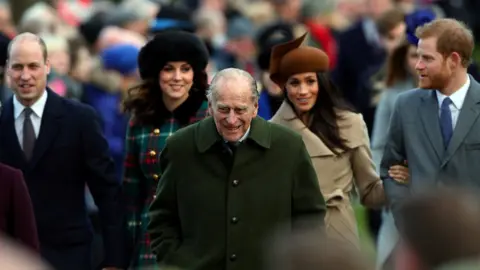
{"x": 446, "y": 121}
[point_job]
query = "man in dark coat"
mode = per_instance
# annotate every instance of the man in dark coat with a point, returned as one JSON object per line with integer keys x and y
{"x": 59, "y": 146}
{"x": 228, "y": 181}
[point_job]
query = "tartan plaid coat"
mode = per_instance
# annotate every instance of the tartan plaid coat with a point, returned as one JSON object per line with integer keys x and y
{"x": 144, "y": 143}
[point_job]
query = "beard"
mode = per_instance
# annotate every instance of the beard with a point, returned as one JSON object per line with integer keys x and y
{"x": 436, "y": 81}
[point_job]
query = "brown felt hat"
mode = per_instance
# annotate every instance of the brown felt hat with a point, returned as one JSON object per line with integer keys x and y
{"x": 289, "y": 58}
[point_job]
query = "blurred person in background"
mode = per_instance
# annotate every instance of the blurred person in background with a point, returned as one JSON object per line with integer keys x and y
{"x": 320, "y": 18}
{"x": 80, "y": 60}
{"x": 241, "y": 44}
{"x": 361, "y": 54}
{"x": 172, "y": 96}
{"x": 7, "y": 26}
{"x": 121, "y": 58}
{"x": 133, "y": 15}
{"x": 211, "y": 28}
{"x": 335, "y": 136}
{"x": 391, "y": 28}
{"x": 288, "y": 11}
{"x": 309, "y": 249}
{"x": 17, "y": 219}
{"x": 172, "y": 17}
{"x": 271, "y": 95}
{"x": 58, "y": 50}
{"x": 5, "y": 92}
{"x": 440, "y": 230}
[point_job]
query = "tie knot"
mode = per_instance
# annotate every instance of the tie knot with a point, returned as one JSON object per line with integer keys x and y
{"x": 28, "y": 111}
{"x": 446, "y": 102}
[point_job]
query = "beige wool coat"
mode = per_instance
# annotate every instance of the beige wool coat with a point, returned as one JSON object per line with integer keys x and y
{"x": 339, "y": 174}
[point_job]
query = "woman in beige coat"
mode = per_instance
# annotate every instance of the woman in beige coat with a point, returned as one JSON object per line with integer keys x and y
{"x": 335, "y": 136}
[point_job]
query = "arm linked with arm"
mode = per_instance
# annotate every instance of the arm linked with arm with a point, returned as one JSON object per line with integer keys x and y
{"x": 370, "y": 187}
{"x": 394, "y": 154}
{"x": 383, "y": 114}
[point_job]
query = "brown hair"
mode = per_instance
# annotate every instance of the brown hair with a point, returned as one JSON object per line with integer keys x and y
{"x": 396, "y": 65}
{"x": 389, "y": 20}
{"x": 452, "y": 36}
{"x": 442, "y": 226}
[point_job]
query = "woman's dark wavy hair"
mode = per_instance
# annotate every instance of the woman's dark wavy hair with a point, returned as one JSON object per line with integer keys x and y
{"x": 396, "y": 65}
{"x": 324, "y": 119}
{"x": 145, "y": 101}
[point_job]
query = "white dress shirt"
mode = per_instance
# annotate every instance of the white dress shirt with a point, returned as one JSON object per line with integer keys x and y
{"x": 458, "y": 97}
{"x": 36, "y": 116}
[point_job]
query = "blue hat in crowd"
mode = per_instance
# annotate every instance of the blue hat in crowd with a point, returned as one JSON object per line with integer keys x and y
{"x": 121, "y": 58}
{"x": 416, "y": 19}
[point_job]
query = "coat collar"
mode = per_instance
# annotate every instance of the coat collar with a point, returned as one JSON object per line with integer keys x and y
{"x": 287, "y": 117}
{"x": 206, "y": 133}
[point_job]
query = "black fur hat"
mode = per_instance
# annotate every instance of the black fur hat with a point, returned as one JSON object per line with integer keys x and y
{"x": 172, "y": 46}
{"x": 268, "y": 37}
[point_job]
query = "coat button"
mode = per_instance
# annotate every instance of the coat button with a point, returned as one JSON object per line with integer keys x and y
{"x": 154, "y": 197}
{"x": 233, "y": 257}
{"x": 152, "y": 153}
{"x": 156, "y": 131}
{"x": 235, "y": 183}
{"x": 234, "y": 220}
{"x": 155, "y": 176}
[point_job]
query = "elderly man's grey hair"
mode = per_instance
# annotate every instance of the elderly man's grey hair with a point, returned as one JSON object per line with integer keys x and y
{"x": 231, "y": 73}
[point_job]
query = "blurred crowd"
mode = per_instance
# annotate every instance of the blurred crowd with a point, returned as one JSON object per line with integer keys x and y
{"x": 94, "y": 49}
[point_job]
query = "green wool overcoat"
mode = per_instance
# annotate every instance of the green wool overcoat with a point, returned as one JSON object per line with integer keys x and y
{"x": 214, "y": 212}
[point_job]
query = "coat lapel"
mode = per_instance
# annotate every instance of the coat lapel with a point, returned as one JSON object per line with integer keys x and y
{"x": 467, "y": 117}
{"x": 288, "y": 118}
{"x": 428, "y": 112}
{"x": 49, "y": 127}
{"x": 253, "y": 148}
{"x": 9, "y": 140}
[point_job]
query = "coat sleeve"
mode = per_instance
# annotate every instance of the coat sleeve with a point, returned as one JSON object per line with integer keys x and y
{"x": 164, "y": 225}
{"x": 132, "y": 179}
{"x": 367, "y": 181}
{"x": 105, "y": 188}
{"x": 24, "y": 225}
{"x": 307, "y": 199}
{"x": 394, "y": 154}
{"x": 380, "y": 126}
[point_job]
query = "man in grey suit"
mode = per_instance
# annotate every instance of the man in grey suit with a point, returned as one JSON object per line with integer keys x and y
{"x": 435, "y": 128}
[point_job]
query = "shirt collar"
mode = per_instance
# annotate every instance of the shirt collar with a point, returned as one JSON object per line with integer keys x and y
{"x": 37, "y": 107}
{"x": 458, "y": 97}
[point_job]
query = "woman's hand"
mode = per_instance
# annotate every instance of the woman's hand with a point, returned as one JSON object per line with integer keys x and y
{"x": 400, "y": 173}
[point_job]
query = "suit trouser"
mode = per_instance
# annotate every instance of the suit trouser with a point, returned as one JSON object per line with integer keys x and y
{"x": 75, "y": 257}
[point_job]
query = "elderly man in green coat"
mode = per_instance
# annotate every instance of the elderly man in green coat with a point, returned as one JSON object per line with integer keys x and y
{"x": 228, "y": 182}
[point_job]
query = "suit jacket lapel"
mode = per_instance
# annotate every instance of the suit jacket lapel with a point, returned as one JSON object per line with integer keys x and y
{"x": 467, "y": 117}
{"x": 429, "y": 114}
{"x": 9, "y": 139}
{"x": 49, "y": 127}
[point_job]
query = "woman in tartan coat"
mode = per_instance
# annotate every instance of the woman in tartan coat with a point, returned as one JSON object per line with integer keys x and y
{"x": 172, "y": 66}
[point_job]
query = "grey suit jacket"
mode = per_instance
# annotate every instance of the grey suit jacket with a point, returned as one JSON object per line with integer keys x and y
{"x": 414, "y": 135}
